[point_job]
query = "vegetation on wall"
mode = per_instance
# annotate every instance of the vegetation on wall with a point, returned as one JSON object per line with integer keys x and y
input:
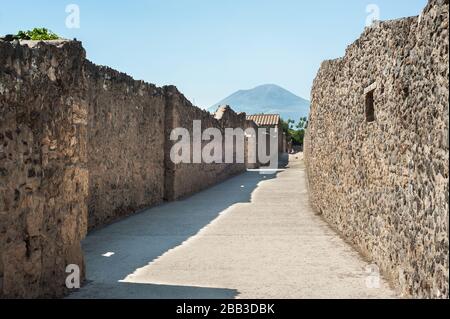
{"x": 37, "y": 34}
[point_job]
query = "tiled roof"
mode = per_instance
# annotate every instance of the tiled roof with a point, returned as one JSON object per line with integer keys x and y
{"x": 265, "y": 119}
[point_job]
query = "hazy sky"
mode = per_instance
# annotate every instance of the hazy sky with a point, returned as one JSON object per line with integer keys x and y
{"x": 210, "y": 48}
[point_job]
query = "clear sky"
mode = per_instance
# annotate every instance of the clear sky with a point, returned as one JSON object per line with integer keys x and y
{"x": 210, "y": 48}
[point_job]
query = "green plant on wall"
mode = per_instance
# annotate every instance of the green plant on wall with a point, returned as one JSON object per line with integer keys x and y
{"x": 37, "y": 34}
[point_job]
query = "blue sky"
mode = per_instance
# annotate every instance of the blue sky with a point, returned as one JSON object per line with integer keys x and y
{"x": 210, "y": 48}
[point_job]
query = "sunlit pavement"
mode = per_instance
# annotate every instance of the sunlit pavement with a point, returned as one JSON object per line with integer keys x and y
{"x": 253, "y": 236}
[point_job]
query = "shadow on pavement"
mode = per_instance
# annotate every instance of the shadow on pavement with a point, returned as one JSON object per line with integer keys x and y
{"x": 116, "y": 251}
{"x": 150, "y": 291}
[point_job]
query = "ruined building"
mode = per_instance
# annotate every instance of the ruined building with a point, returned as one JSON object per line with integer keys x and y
{"x": 377, "y": 148}
{"x": 271, "y": 121}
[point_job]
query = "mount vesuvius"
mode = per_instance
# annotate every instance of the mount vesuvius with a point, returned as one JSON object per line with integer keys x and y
{"x": 267, "y": 99}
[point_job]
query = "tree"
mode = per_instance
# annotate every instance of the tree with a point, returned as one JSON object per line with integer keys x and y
{"x": 295, "y": 132}
{"x": 302, "y": 123}
{"x": 286, "y": 127}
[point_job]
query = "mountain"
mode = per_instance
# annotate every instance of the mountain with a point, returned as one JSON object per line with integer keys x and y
{"x": 267, "y": 99}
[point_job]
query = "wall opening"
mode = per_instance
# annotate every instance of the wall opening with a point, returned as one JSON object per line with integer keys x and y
{"x": 370, "y": 107}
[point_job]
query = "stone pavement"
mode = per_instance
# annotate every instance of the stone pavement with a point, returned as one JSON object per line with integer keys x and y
{"x": 253, "y": 236}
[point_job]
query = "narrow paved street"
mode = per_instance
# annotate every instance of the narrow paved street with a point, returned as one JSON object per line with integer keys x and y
{"x": 252, "y": 236}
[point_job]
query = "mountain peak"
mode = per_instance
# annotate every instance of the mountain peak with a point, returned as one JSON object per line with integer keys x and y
{"x": 267, "y": 99}
{"x": 265, "y": 87}
{"x": 270, "y": 86}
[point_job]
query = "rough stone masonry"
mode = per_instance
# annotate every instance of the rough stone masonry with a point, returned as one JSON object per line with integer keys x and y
{"x": 377, "y": 148}
{"x": 43, "y": 166}
{"x": 80, "y": 146}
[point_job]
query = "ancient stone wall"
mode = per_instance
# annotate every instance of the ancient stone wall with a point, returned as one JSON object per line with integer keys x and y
{"x": 183, "y": 179}
{"x": 252, "y": 160}
{"x": 43, "y": 175}
{"x": 81, "y": 146}
{"x": 377, "y": 148}
{"x": 125, "y": 144}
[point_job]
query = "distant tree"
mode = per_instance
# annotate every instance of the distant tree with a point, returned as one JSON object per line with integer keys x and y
{"x": 302, "y": 123}
{"x": 295, "y": 132}
{"x": 286, "y": 126}
{"x": 301, "y": 128}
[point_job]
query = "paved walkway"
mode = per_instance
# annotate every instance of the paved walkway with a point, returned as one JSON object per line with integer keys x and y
{"x": 250, "y": 237}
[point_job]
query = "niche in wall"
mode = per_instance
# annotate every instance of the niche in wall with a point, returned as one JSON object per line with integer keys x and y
{"x": 370, "y": 102}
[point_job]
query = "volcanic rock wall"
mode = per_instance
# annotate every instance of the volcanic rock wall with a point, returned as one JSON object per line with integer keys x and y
{"x": 43, "y": 174}
{"x": 377, "y": 148}
{"x": 183, "y": 179}
{"x": 81, "y": 146}
{"x": 125, "y": 144}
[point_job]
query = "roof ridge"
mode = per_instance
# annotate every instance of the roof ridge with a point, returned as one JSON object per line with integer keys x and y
{"x": 265, "y": 119}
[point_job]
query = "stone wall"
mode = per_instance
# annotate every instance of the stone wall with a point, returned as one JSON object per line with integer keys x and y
{"x": 381, "y": 178}
{"x": 184, "y": 179}
{"x": 125, "y": 144}
{"x": 80, "y": 146}
{"x": 252, "y": 160}
{"x": 43, "y": 175}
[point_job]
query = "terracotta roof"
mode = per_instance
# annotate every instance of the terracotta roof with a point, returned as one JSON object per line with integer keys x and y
{"x": 265, "y": 119}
